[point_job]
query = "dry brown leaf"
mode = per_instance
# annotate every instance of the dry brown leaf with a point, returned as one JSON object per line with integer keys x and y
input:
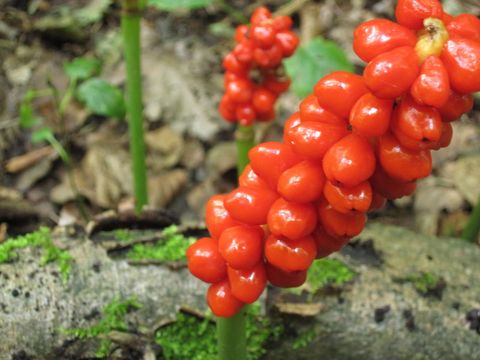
{"x": 165, "y": 147}
{"x": 221, "y": 158}
{"x": 3, "y": 232}
{"x": 21, "y": 162}
{"x": 163, "y": 188}
{"x": 301, "y": 309}
{"x": 193, "y": 154}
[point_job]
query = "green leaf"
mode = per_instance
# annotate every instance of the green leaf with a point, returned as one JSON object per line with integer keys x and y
{"x": 312, "y": 61}
{"x": 82, "y": 68}
{"x": 27, "y": 117}
{"x": 170, "y": 5}
{"x": 102, "y": 98}
{"x": 46, "y": 134}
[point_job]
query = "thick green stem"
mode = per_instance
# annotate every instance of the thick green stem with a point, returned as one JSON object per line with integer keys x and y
{"x": 131, "y": 39}
{"x": 471, "y": 230}
{"x": 245, "y": 138}
{"x": 232, "y": 344}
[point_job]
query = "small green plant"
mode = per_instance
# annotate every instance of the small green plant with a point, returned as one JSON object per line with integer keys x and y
{"x": 123, "y": 235}
{"x": 171, "y": 247}
{"x": 424, "y": 282}
{"x": 304, "y": 339}
{"x": 192, "y": 338}
{"x": 113, "y": 318}
{"x": 42, "y": 239}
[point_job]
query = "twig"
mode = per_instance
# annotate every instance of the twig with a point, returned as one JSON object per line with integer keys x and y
{"x": 291, "y": 7}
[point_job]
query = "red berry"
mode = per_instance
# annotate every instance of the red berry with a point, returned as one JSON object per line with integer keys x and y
{"x": 402, "y": 163}
{"x": 250, "y": 179}
{"x": 378, "y": 36}
{"x": 390, "y": 188}
{"x": 245, "y": 114}
{"x": 411, "y": 13}
{"x": 290, "y": 255}
{"x": 339, "y": 91}
{"x": 244, "y": 51}
{"x": 311, "y": 139}
{"x": 391, "y": 74}
{"x": 370, "y": 115}
{"x": 340, "y": 225}
{"x": 241, "y": 33}
{"x": 456, "y": 106}
{"x": 282, "y": 23}
{"x": 348, "y": 199}
{"x": 239, "y": 91}
{"x": 302, "y": 182}
{"x": 287, "y": 41}
{"x": 378, "y": 202}
{"x": 275, "y": 84}
{"x": 311, "y": 111}
{"x": 349, "y": 161}
{"x": 260, "y": 14}
{"x": 241, "y": 246}
{"x": 269, "y": 160}
{"x": 248, "y": 285}
{"x": 327, "y": 244}
{"x": 263, "y": 35}
{"x": 263, "y": 100}
{"x": 285, "y": 279}
{"x": 250, "y": 206}
{"x": 221, "y": 300}
{"x": 227, "y": 109}
{"x": 432, "y": 86}
{"x": 268, "y": 58}
{"x": 205, "y": 261}
{"x": 292, "y": 220}
{"x": 217, "y": 217}
{"x": 232, "y": 64}
{"x": 465, "y": 26}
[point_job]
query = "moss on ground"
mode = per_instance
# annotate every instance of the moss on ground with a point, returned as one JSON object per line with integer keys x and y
{"x": 192, "y": 338}
{"x": 171, "y": 247}
{"x": 424, "y": 282}
{"x": 40, "y": 238}
{"x": 113, "y": 318}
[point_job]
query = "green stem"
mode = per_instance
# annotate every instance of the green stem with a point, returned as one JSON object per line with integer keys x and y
{"x": 232, "y": 12}
{"x": 245, "y": 138}
{"x": 131, "y": 39}
{"x": 471, "y": 230}
{"x": 232, "y": 344}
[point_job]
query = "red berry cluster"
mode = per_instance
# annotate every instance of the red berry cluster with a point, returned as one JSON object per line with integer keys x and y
{"x": 355, "y": 142}
{"x": 253, "y": 74}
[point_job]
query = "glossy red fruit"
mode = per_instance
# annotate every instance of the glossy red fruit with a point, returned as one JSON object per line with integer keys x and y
{"x": 249, "y": 205}
{"x": 241, "y": 246}
{"x": 205, "y": 262}
{"x": 292, "y": 220}
{"x": 419, "y": 123}
{"x": 327, "y": 244}
{"x": 241, "y": 33}
{"x": 276, "y": 85}
{"x": 338, "y": 92}
{"x": 390, "y": 188}
{"x": 377, "y": 36}
{"x": 221, "y": 300}
{"x": 446, "y": 138}
{"x": 260, "y": 14}
{"x": 268, "y": 58}
{"x": 245, "y": 114}
{"x": 285, "y": 279}
{"x": 250, "y": 179}
{"x": 411, "y": 13}
{"x": 370, "y": 116}
{"x": 432, "y": 86}
{"x": 282, "y": 23}
{"x": 244, "y": 52}
{"x": 232, "y": 64}
{"x": 348, "y": 199}
{"x": 340, "y": 225}
{"x": 239, "y": 91}
{"x": 248, "y": 285}
{"x": 287, "y": 41}
{"x": 465, "y": 26}
{"x": 227, "y": 109}
{"x": 302, "y": 183}
{"x": 311, "y": 139}
{"x": 402, "y": 163}
{"x": 462, "y": 60}
{"x": 263, "y": 100}
{"x": 456, "y": 106}
{"x": 391, "y": 74}
{"x": 263, "y": 35}
{"x": 349, "y": 161}
{"x": 290, "y": 255}
{"x": 269, "y": 160}
{"x": 217, "y": 216}
{"x": 311, "y": 111}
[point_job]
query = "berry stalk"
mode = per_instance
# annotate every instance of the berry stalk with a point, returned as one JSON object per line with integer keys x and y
{"x": 245, "y": 139}
{"x": 232, "y": 344}
{"x": 131, "y": 12}
{"x": 472, "y": 229}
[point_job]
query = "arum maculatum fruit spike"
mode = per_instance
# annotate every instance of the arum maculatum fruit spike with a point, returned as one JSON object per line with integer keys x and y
{"x": 354, "y": 143}
{"x": 254, "y": 76}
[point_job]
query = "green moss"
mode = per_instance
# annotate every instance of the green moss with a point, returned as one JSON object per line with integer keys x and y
{"x": 304, "y": 339}
{"x": 423, "y": 282}
{"x": 41, "y": 238}
{"x": 123, "y": 235}
{"x": 191, "y": 338}
{"x": 113, "y": 318}
{"x": 171, "y": 247}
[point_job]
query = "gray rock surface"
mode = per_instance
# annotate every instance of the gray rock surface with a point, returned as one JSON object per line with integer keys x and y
{"x": 35, "y": 304}
{"x": 415, "y": 327}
